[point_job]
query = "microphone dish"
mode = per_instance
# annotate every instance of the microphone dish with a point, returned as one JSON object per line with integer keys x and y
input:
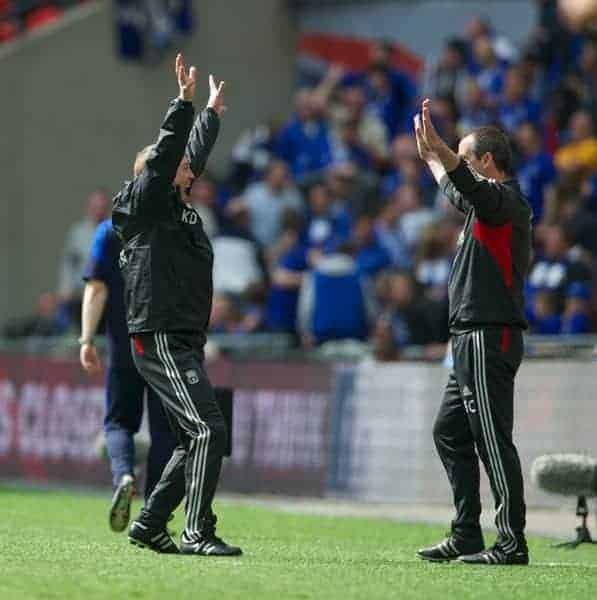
{"x": 566, "y": 474}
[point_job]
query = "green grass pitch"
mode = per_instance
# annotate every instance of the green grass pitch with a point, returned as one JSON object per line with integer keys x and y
{"x": 57, "y": 545}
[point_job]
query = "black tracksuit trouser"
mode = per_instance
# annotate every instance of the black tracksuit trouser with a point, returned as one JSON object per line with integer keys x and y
{"x": 172, "y": 364}
{"x": 477, "y": 412}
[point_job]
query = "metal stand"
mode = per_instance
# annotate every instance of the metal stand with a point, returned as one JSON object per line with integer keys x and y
{"x": 583, "y": 535}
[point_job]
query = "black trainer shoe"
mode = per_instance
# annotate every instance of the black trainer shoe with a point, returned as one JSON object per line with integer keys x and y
{"x": 157, "y": 540}
{"x": 208, "y": 543}
{"x": 496, "y": 556}
{"x": 120, "y": 509}
{"x": 211, "y": 546}
{"x": 450, "y": 549}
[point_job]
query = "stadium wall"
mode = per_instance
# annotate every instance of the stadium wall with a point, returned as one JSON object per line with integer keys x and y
{"x": 420, "y": 25}
{"x": 74, "y": 115}
{"x": 357, "y": 431}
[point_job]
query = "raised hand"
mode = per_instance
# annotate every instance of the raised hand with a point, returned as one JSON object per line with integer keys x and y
{"x": 424, "y": 152}
{"x": 186, "y": 80}
{"x": 429, "y": 134}
{"x": 432, "y": 149}
{"x": 216, "y": 96}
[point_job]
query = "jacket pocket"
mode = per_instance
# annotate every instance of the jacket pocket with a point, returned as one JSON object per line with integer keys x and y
{"x": 137, "y": 290}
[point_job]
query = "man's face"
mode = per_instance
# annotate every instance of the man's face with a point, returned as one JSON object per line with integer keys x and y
{"x": 278, "y": 176}
{"x": 515, "y": 86}
{"x": 184, "y": 176}
{"x": 466, "y": 150}
{"x": 98, "y": 206}
{"x": 474, "y": 95}
{"x": 203, "y": 192}
{"x": 581, "y": 126}
{"x": 527, "y": 139}
{"x": 483, "y": 52}
{"x": 401, "y": 291}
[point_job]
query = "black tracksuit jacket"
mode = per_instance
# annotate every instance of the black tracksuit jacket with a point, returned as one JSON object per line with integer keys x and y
{"x": 494, "y": 250}
{"x": 167, "y": 258}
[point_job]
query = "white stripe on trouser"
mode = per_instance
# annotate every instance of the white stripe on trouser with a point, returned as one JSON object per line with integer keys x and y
{"x": 187, "y": 410}
{"x": 491, "y": 445}
{"x": 199, "y": 444}
{"x": 507, "y": 547}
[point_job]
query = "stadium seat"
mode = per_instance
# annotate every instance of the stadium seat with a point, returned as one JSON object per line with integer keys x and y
{"x": 5, "y": 7}
{"x": 8, "y": 31}
{"x": 42, "y": 16}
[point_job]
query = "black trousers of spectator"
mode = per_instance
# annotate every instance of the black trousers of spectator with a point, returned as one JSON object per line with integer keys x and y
{"x": 477, "y": 413}
{"x": 124, "y": 412}
{"x": 172, "y": 364}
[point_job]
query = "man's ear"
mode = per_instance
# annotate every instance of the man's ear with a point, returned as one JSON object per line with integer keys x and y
{"x": 487, "y": 160}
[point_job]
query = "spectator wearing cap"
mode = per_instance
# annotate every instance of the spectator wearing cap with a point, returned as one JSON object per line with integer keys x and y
{"x": 576, "y": 317}
{"x": 536, "y": 171}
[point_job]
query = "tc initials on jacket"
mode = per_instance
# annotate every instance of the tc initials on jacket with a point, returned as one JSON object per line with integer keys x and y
{"x": 189, "y": 216}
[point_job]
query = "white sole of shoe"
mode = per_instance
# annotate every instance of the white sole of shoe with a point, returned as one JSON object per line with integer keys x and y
{"x": 120, "y": 510}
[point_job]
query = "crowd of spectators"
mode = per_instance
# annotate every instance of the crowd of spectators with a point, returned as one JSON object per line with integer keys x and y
{"x": 344, "y": 234}
{"x": 329, "y": 227}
